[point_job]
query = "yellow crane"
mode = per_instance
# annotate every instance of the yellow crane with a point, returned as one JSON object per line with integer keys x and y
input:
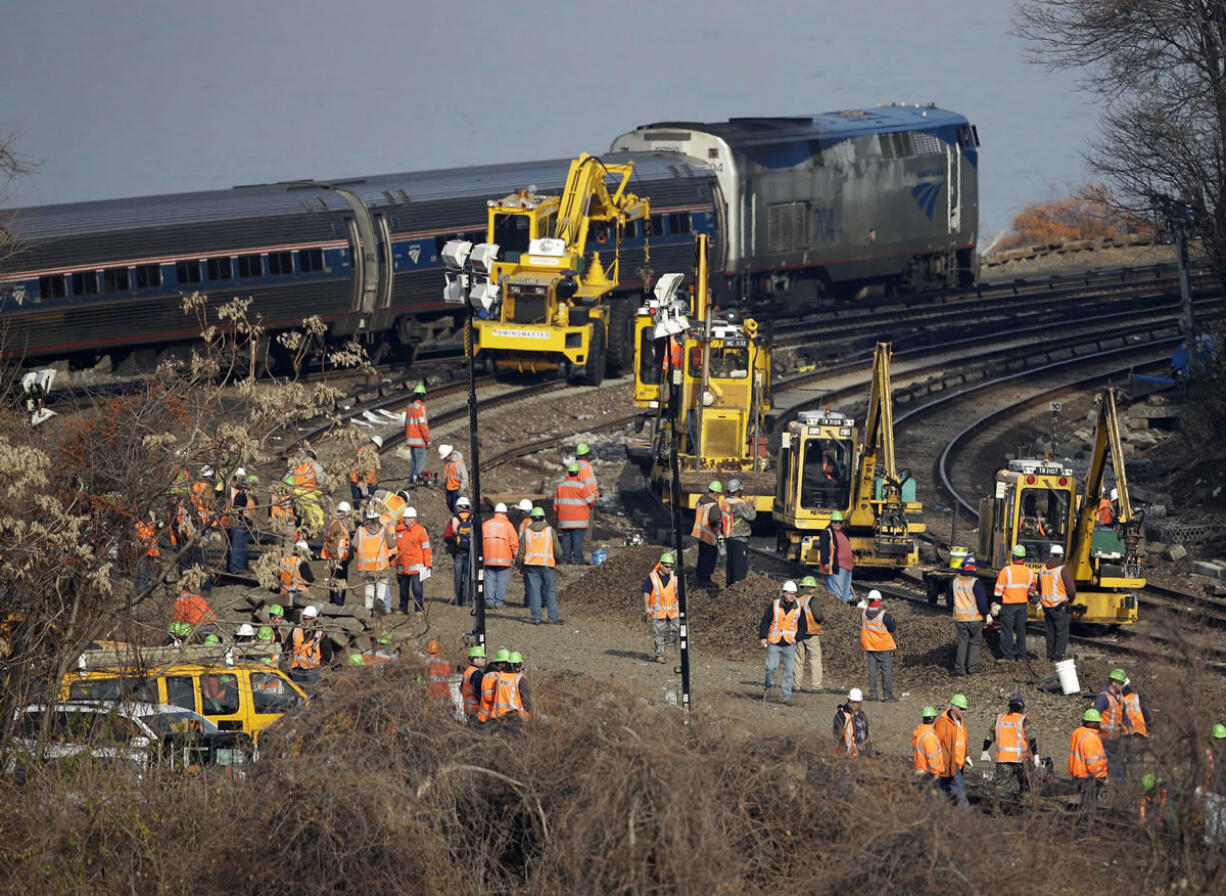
{"x": 548, "y": 313}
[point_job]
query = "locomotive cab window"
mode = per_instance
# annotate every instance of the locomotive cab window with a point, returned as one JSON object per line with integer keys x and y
{"x": 511, "y": 233}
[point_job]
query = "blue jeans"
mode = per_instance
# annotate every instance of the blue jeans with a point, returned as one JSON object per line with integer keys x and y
{"x": 839, "y": 584}
{"x": 1113, "y": 747}
{"x": 538, "y": 580}
{"x": 572, "y": 544}
{"x": 417, "y": 463}
{"x": 957, "y": 787}
{"x": 773, "y": 654}
{"x": 496, "y": 579}
{"x": 240, "y": 538}
{"x": 410, "y": 584}
{"x": 459, "y": 578}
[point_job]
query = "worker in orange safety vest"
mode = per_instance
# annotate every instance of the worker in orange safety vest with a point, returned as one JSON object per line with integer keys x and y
{"x": 309, "y": 648}
{"x": 709, "y": 530}
{"x": 572, "y": 502}
{"x": 1114, "y": 722}
{"x": 587, "y": 475}
{"x": 1087, "y": 764}
{"x": 437, "y": 671}
{"x": 455, "y": 475}
{"x": 1057, "y": 590}
{"x": 781, "y": 622}
{"x": 1014, "y": 749}
{"x": 660, "y": 606}
{"x": 927, "y": 757}
{"x": 470, "y": 682}
{"x": 851, "y": 734}
{"x": 539, "y": 549}
{"x": 1015, "y": 584}
{"x": 499, "y": 545}
{"x": 417, "y": 434}
{"x": 374, "y": 549}
{"x": 951, "y": 729}
{"x": 364, "y": 472}
{"x": 414, "y": 560}
{"x": 337, "y": 549}
{"x": 296, "y": 576}
{"x": 877, "y": 629}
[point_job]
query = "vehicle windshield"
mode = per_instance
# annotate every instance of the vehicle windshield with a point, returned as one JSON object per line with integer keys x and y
{"x": 826, "y": 474}
{"x": 511, "y": 234}
{"x": 730, "y": 363}
{"x": 1042, "y": 519}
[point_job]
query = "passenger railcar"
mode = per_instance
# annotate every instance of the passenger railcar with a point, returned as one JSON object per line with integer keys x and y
{"x": 835, "y": 203}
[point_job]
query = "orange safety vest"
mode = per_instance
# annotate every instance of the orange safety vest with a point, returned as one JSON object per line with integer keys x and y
{"x": 413, "y": 553}
{"x": 1086, "y": 756}
{"x": 364, "y": 465}
{"x": 437, "y": 670}
{"x": 1014, "y": 583}
{"x": 538, "y": 547}
{"x": 304, "y": 476}
{"x": 966, "y": 609}
{"x": 416, "y": 426}
{"x": 572, "y": 502}
{"x": 1051, "y": 586}
{"x": 874, "y": 635}
{"x": 1105, "y": 515}
{"x": 307, "y": 652}
{"x": 1136, "y": 718}
{"x": 371, "y": 550}
{"x": 1149, "y": 802}
{"x": 292, "y": 581}
{"x": 703, "y": 529}
{"x": 847, "y": 741}
{"x": 192, "y": 609}
{"x": 147, "y": 535}
{"x": 588, "y": 477}
{"x": 675, "y": 357}
{"x": 1114, "y": 720}
{"x": 784, "y": 624}
{"x": 812, "y": 626}
{"x": 926, "y": 750}
{"x": 662, "y": 604}
{"x": 506, "y": 695}
{"x": 1011, "y": 743}
{"x": 499, "y": 541}
{"x": 281, "y": 508}
{"x": 953, "y": 744}
{"x": 489, "y": 684}
{"x": 472, "y": 700}
{"x": 451, "y": 476}
{"x": 338, "y": 532}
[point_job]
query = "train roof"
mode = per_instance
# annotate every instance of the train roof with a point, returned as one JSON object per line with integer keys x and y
{"x": 829, "y": 126}
{"x": 46, "y": 222}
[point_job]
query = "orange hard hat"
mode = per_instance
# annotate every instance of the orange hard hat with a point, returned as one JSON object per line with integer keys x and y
{"x": 433, "y": 649}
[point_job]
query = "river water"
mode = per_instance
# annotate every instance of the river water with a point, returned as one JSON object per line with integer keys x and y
{"x": 137, "y": 97}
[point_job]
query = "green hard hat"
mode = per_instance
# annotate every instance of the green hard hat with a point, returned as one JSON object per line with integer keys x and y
{"x": 716, "y": 487}
{"x": 1149, "y": 781}
{"x": 502, "y": 656}
{"x": 180, "y": 629}
{"x": 1019, "y": 550}
{"x": 582, "y": 449}
{"x": 1219, "y": 731}
{"x": 516, "y": 658}
{"x": 1118, "y": 675}
{"x": 264, "y": 634}
{"x": 958, "y": 700}
{"x": 288, "y": 479}
{"x": 929, "y": 712}
{"x": 356, "y": 659}
{"x": 253, "y": 479}
{"x": 276, "y": 610}
{"x": 808, "y": 582}
{"x": 538, "y": 513}
{"x": 476, "y": 650}
{"x": 667, "y": 557}
{"x": 419, "y": 389}
{"x": 212, "y": 639}
{"x": 836, "y": 517}
{"x": 1091, "y": 715}
{"x": 572, "y": 467}
{"x": 268, "y": 661}
{"x": 384, "y": 638}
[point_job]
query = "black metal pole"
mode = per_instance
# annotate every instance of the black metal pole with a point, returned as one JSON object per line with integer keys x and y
{"x": 1187, "y": 318}
{"x": 674, "y": 402}
{"x": 476, "y": 570}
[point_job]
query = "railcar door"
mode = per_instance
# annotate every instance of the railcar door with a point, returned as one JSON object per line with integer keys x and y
{"x": 953, "y": 178}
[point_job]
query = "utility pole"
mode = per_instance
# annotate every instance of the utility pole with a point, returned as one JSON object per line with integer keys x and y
{"x": 476, "y": 559}
{"x": 673, "y": 380}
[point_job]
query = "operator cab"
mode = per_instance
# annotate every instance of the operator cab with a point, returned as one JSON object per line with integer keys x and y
{"x": 1035, "y": 501}
{"x": 816, "y": 460}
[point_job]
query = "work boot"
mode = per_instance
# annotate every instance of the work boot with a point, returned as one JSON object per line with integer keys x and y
{"x": 660, "y": 659}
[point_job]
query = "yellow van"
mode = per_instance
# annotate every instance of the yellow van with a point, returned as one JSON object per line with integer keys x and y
{"x": 244, "y": 695}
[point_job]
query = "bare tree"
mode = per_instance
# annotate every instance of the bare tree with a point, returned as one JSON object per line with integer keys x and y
{"x": 1159, "y": 67}
{"x": 12, "y": 165}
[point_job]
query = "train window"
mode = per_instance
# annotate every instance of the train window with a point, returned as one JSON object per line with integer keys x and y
{"x": 115, "y": 280}
{"x": 148, "y": 276}
{"x": 53, "y": 287}
{"x": 187, "y": 272}
{"x": 679, "y": 222}
{"x": 220, "y": 268}
{"x": 250, "y": 266}
{"x": 310, "y": 260}
{"x": 85, "y": 283}
{"x": 281, "y": 263}
{"x": 967, "y": 138}
{"x": 657, "y": 225}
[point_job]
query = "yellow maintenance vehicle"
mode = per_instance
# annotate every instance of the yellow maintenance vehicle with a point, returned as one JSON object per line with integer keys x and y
{"x": 718, "y": 369}
{"x": 826, "y": 465}
{"x": 549, "y": 315}
{"x": 1040, "y": 503}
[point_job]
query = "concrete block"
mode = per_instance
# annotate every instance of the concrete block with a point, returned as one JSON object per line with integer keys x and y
{"x": 1209, "y": 568}
{"x": 1176, "y": 552}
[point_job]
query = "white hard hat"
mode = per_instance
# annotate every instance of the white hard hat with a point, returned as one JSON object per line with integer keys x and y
{"x": 206, "y": 470}
{"x": 343, "y": 507}
{"x": 240, "y": 473}
{"x": 500, "y": 508}
{"x": 443, "y": 451}
{"x": 245, "y": 631}
{"x": 855, "y": 695}
{"x": 378, "y": 440}
{"x": 409, "y": 511}
{"x": 789, "y": 587}
{"x": 1115, "y": 495}
{"x": 462, "y": 502}
{"x": 1056, "y": 550}
{"x": 525, "y": 505}
{"x": 310, "y": 612}
{"x": 874, "y": 595}
{"x": 301, "y": 546}
{"x": 372, "y": 513}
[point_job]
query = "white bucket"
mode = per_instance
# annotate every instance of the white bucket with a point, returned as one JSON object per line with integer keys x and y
{"x": 1066, "y": 671}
